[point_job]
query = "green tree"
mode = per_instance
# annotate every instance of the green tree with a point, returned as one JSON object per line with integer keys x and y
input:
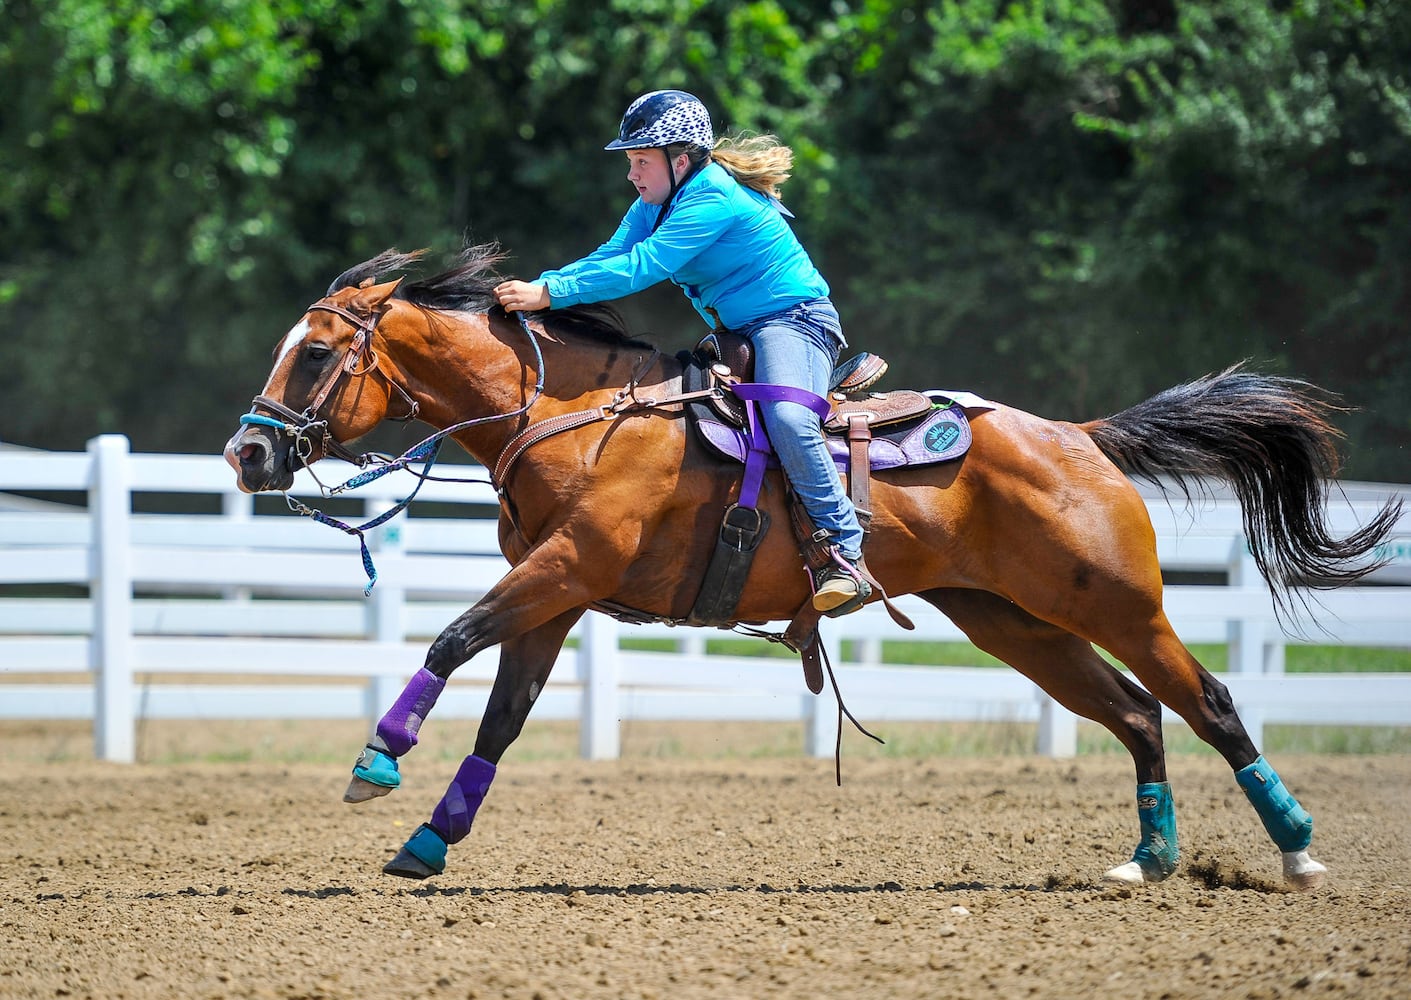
{"x": 185, "y": 175}
{"x": 1074, "y": 204}
{"x": 1066, "y": 204}
{"x": 1266, "y": 205}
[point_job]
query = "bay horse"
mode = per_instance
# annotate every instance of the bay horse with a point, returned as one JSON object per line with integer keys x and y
{"x": 1035, "y": 543}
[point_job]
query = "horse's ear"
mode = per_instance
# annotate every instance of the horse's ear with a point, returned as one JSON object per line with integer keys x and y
{"x": 371, "y": 298}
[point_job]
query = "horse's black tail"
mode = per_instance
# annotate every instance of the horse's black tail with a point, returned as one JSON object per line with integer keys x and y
{"x": 1270, "y": 439}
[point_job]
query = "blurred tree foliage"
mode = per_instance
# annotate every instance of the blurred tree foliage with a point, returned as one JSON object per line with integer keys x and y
{"x": 1065, "y": 204}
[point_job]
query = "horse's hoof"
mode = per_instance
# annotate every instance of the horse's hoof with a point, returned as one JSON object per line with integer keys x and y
{"x": 1302, "y": 872}
{"x": 374, "y": 774}
{"x": 360, "y": 790}
{"x": 408, "y": 865}
{"x": 1129, "y": 874}
{"x": 422, "y": 856}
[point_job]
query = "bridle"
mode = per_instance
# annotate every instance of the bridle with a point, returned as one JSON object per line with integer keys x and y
{"x": 306, "y": 430}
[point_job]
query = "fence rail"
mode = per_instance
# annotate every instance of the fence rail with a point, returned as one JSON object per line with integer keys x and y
{"x": 128, "y": 615}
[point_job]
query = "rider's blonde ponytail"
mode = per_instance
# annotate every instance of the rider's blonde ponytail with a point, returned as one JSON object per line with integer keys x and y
{"x": 761, "y": 162}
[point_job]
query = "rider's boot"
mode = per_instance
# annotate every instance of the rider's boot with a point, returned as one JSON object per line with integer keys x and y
{"x": 839, "y": 588}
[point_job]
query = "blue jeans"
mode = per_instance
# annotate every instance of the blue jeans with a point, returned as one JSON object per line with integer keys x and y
{"x": 799, "y": 347}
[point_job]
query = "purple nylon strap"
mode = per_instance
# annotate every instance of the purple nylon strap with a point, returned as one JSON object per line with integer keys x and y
{"x": 759, "y": 450}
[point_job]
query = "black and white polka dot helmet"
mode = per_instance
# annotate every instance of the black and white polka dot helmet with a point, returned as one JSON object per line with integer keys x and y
{"x": 662, "y": 118}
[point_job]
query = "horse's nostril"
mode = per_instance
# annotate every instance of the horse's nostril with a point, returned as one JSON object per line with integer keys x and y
{"x": 251, "y": 454}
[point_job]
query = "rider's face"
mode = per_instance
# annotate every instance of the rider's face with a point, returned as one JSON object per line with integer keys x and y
{"x": 646, "y": 171}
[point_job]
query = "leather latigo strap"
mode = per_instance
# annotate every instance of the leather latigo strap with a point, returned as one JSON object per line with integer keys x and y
{"x": 802, "y": 635}
{"x": 859, "y": 468}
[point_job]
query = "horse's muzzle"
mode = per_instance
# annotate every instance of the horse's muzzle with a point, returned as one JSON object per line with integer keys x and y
{"x": 258, "y": 464}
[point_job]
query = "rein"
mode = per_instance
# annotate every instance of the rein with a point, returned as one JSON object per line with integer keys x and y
{"x": 625, "y": 400}
{"x": 298, "y": 425}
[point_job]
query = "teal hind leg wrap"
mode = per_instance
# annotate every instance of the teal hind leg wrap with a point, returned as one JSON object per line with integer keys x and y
{"x": 1288, "y": 823}
{"x": 1158, "y": 851}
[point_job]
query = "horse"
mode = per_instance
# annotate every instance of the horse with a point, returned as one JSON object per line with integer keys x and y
{"x": 1035, "y": 543}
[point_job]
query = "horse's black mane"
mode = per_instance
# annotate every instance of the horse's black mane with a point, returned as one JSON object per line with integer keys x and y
{"x": 469, "y": 285}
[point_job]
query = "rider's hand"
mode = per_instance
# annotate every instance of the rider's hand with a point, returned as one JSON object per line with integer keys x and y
{"x": 517, "y": 296}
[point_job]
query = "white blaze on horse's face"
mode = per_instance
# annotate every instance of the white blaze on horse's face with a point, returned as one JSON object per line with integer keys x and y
{"x": 292, "y": 339}
{"x": 241, "y": 438}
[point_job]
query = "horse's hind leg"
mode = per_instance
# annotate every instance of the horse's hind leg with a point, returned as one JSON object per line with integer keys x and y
{"x": 1161, "y": 662}
{"x": 525, "y": 663}
{"x": 1070, "y": 670}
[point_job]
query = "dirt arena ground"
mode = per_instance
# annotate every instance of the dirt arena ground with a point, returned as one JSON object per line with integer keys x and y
{"x": 684, "y": 877}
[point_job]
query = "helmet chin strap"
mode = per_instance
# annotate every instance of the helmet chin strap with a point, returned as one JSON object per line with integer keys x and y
{"x": 675, "y": 184}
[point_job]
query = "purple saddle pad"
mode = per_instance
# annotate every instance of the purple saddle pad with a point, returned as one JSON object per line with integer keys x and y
{"x": 940, "y": 436}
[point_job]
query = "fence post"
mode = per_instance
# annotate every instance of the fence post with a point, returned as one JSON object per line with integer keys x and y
{"x": 110, "y": 593}
{"x": 1247, "y": 635}
{"x": 386, "y": 622}
{"x": 239, "y": 510}
{"x": 599, "y": 735}
{"x": 1058, "y": 729}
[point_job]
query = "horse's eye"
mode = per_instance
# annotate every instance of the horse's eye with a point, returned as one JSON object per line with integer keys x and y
{"x": 317, "y": 352}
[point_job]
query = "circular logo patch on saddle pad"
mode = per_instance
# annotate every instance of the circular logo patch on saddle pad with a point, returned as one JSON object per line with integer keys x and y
{"x": 946, "y": 434}
{"x": 941, "y": 436}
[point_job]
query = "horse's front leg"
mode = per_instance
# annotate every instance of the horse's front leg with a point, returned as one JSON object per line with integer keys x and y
{"x": 536, "y": 591}
{"x": 525, "y": 663}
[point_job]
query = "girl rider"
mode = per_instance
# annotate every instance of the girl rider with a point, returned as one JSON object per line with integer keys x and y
{"x": 708, "y": 217}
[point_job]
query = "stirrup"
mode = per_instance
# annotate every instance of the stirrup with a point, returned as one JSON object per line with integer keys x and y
{"x": 839, "y": 568}
{"x": 852, "y": 604}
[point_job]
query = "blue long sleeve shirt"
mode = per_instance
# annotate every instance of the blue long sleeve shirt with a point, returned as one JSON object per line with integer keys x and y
{"x": 727, "y": 246}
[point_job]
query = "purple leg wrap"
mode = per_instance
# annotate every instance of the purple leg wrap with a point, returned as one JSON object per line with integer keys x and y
{"x": 456, "y": 810}
{"x": 398, "y": 728}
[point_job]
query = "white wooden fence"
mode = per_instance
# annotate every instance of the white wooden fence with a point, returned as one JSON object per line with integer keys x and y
{"x": 120, "y": 601}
